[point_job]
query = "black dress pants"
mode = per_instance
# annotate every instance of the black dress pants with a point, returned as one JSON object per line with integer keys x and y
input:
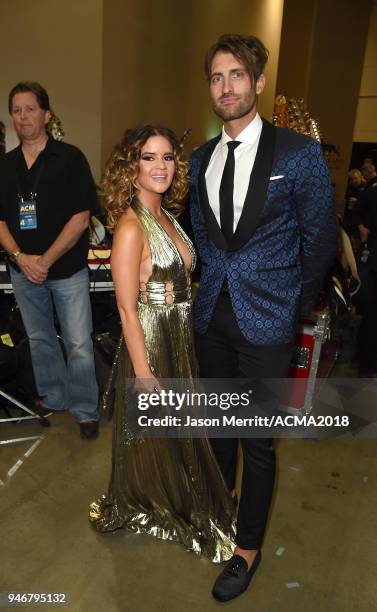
{"x": 223, "y": 352}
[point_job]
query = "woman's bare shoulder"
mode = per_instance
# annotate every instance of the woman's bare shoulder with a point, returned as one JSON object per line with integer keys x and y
{"x": 129, "y": 226}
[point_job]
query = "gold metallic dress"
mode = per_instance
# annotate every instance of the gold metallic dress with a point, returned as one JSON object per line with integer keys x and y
{"x": 167, "y": 487}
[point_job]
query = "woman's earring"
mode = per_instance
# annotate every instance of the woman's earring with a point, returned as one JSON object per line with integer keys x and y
{"x": 132, "y": 193}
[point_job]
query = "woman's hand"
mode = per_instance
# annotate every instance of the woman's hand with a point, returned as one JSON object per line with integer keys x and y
{"x": 146, "y": 382}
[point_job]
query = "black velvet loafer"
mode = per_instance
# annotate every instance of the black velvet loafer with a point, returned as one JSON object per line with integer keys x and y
{"x": 235, "y": 578}
{"x": 89, "y": 429}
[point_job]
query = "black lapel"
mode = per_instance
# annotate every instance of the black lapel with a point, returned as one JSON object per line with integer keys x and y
{"x": 213, "y": 228}
{"x": 257, "y": 190}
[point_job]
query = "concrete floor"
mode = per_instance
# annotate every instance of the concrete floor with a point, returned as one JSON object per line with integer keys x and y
{"x": 324, "y": 516}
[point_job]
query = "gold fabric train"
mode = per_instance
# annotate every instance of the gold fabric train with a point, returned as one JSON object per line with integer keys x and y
{"x": 169, "y": 488}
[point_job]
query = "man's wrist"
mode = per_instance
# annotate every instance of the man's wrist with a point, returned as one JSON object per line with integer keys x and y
{"x": 44, "y": 261}
{"x": 15, "y": 255}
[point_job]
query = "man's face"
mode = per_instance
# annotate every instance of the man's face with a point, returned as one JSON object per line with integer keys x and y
{"x": 233, "y": 91}
{"x": 29, "y": 119}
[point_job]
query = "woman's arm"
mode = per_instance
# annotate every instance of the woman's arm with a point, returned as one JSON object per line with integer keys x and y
{"x": 126, "y": 257}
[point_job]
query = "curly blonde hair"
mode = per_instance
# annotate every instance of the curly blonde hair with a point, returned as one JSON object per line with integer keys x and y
{"x": 118, "y": 184}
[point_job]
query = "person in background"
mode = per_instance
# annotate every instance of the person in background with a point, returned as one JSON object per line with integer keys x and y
{"x": 46, "y": 195}
{"x": 356, "y": 186}
{"x": 355, "y": 189}
{"x": 365, "y": 214}
{"x": 2, "y": 138}
{"x": 369, "y": 173}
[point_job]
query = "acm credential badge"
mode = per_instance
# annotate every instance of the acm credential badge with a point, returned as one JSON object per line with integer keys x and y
{"x": 28, "y": 212}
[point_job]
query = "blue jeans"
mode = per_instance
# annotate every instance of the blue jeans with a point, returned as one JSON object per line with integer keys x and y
{"x": 69, "y": 385}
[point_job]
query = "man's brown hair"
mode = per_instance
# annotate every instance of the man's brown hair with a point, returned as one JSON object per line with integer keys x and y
{"x": 248, "y": 49}
{"x": 32, "y": 87}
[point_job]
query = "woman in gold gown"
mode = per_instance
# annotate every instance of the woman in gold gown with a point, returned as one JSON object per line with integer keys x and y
{"x": 168, "y": 487}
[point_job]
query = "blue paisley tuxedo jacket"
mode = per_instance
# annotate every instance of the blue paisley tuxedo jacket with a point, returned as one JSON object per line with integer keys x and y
{"x": 283, "y": 245}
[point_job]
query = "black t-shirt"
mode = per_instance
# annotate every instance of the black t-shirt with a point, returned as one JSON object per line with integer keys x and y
{"x": 64, "y": 185}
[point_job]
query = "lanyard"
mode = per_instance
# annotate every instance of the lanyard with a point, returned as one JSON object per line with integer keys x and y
{"x": 33, "y": 191}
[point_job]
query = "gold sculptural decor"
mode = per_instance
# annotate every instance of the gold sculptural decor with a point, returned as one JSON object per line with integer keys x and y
{"x": 292, "y": 113}
{"x": 54, "y": 127}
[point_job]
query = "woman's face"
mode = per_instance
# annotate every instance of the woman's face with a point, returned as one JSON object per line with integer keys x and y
{"x": 156, "y": 166}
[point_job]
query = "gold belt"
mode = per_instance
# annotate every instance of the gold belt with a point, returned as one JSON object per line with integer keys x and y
{"x": 168, "y": 292}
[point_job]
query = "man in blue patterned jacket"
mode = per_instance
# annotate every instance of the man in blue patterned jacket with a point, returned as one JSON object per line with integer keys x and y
{"x": 265, "y": 228}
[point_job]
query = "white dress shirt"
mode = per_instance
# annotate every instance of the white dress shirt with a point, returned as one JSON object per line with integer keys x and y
{"x": 244, "y": 156}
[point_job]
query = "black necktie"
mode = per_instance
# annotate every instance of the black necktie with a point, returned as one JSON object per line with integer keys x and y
{"x": 226, "y": 193}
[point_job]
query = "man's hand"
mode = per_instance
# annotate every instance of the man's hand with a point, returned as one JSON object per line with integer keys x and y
{"x": 32, "y": 268}
{"x": 43, "y": 263}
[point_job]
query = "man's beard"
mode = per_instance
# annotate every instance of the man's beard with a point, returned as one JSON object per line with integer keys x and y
{"x": 242, "y": 108}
